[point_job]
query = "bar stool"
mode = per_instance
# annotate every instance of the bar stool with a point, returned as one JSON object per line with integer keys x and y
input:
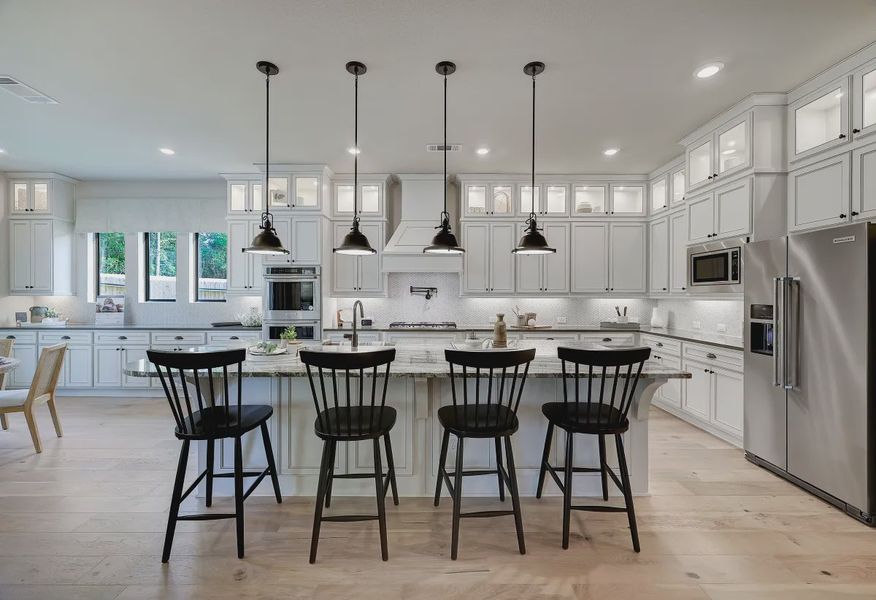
{"x": 200, "y": 418}
{"x": 601, "y": 416}
{"x": 350, "y": 421}
{"x": 493, "y": 416}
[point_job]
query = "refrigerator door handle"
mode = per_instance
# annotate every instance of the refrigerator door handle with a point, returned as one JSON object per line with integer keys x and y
{"x": 791, "y": 310}
{"x": 778, "y": 342}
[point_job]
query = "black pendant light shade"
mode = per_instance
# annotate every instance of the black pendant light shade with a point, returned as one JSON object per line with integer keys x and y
{"x": 533, "y": 242}
{"x": 266, "y": 241}
{"x": 444, "y": 241}
{"x": 355, "y": 243}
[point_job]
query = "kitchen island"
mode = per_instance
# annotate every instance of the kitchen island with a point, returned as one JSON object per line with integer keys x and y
{"x": 419, "y": 385}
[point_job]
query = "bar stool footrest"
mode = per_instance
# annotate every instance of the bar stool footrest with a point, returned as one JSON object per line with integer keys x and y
{"x": 485, "y": 513}
{"x": 597, "y": 508}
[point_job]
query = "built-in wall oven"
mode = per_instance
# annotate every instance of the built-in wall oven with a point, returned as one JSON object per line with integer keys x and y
{"x": 716, "y": 267}
{"x": 307, "y": 331}
{"x": 292, "y": 294}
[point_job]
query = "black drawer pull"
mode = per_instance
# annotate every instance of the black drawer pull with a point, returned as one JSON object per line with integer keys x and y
{"x": 234, "y": 337}
{"x": 606, "y": 339}
{"x": 659, "y": 344}
{"x": 178, "y": 337}
{"x": 65, "y": 337}
{"x": 123, "y": 337}
{"x": 10, "y": 337}
{"x": 710, "y": 355}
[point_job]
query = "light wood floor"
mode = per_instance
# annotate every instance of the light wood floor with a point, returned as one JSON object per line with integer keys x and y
{"x": 85, "y": 520}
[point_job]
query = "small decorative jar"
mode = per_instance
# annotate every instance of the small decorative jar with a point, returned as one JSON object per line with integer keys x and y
{"x": 500, "y": 332}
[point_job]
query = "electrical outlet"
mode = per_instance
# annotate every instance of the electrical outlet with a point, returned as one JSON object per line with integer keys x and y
{"x": 561, "y": 320}
{"x": 721, "y": 328}
{"x": 696, "y": 325}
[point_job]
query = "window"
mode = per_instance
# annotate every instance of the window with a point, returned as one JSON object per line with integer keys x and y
{"x": 160, "y": 284}
{"x": 109, "y": 253}
{"x": 211, "y": 267}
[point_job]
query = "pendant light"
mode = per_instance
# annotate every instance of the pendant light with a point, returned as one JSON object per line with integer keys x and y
{"x": 355, "y": 243}
{"x": 266, "y": 241}
{"x": 533, "y": 241}
{"x": 444, "y": 241}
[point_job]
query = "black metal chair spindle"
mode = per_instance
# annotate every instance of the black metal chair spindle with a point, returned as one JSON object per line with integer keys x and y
{"x": 209, "y": 422}
{"x": 601, "y": 416}
{"x": 345, "y": 420}
{"x": 492, "y": 418}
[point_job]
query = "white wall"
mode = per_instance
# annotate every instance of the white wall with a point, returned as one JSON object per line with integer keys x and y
{"x": 683, "y": 313}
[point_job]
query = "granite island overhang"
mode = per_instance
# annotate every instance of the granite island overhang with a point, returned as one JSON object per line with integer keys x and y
{"x": 419, "y": 385}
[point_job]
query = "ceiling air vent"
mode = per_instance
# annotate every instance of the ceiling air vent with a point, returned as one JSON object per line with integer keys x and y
{"x": 440, "y": 147}
{"x": 26, "y": 93}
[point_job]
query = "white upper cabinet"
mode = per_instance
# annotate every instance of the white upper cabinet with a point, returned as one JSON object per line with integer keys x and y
{"x": 548, "y": 273}
{"x": 659, "y": 194}
{"x": 589, "y": 200}
{"x": 306, "y": 192}
{"x": 724, "y": 212}
{"x": 301, "y": 236}
{"x": 819, "y": 121}
{"x": 40, "y": 195}
{"x": 627, "y": 257}
{"x": 556, "y": 200}
{"x": 659, "y": 256}
{"x": 245, "y": 275}
{"x": 290, "y": 188}
{"x": 719, "y": 154}
{"x": 278, "y": 193}
{"x": 30, "y": 197}
{"x": 371, "y": 198}
{"x": 678, "y": 252}
{"x": 589, "y": 258}
{"x": 864, "y": 100}
{"x": 483, "y": 199}
{"x": 627, "y": 199}
{"x": 40, "y": 257}
{"x": 701, "y": 218}
{"x": 819, "y": 194}
{"x": 527, "y": 204}
{"x": 244, "y": 196}
{"x": 677, "y": 179}
{"x": 864, "y": 182}
{"x": 359, "y": 275}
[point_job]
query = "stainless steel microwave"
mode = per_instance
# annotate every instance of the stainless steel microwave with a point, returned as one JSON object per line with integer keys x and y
{"x": 715, "y": 267}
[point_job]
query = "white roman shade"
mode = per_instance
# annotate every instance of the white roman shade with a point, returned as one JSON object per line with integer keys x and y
{"x": 160, "y": 214}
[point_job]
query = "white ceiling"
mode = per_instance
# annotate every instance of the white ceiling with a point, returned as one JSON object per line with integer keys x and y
{"x": 133, "y": 76}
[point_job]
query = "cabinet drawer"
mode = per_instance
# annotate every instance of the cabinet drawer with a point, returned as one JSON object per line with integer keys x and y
{"x": 730, "y": 359}
{"x": 70, "y": 337}
{"x": 20, "y": 337}
{"x": 121, "y": 337}
{"x": 662, "y": 345}
{"x": 608, "y": 339}
{"x": 179, "y": 337}
{"x": 235, "y": 336}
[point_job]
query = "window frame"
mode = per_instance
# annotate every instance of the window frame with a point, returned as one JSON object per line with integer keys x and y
{"x": 196, "y": 253}
{"x": 146, "y": 297}
{"x": 96, "y": 265}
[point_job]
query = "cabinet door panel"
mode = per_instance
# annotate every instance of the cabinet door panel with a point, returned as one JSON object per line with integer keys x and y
{"x": 670, "y": 392}
{"x": 238, "y": 272}
{"x": 678, "y": 252}
{"x": 370, "y": 273}
{"x": 283, "y": 226}
{"x": 22, "y": 376}
{"x": 864, "y": 181}
{"x": 734, "y": 147}
{"x": 659, "y": 263}
{"x": 697, "y": 390}
{"x": 345, "y": 269}
{"x": 699, "y": 163}
{"x": 555, "y": 269}
{"x": 130, "y": 354}
{"x": 476, "y": 274}
{"x": 727, "y": 407}
{"x": 41, "y": 256}
{"x": 502, "y": 241}
{"x": 107, "y": 366}
{"x": 589, "y": 257}
{"x": 20, "y": 251}
{"x": 306, "y": 240}
{"x": 528, "y": 269}
{"x": 78, "y": 367}
{"x": 701, "y": 218}
{"x": 819, "y": 194}
{"x": 820, "y": 121}
{"x": 627, "y": 257}
{"x": 733, "y": 209}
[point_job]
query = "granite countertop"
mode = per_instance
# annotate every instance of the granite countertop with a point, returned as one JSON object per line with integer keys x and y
{"x": 410, "y": 361}
{"x": 92, "y": 326}
{"x": 686, "y": 335}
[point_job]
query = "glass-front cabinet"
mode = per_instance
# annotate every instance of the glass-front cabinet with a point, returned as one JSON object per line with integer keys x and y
{"x": 677, "y": 179}
{"x": 734, "y": 147}
{"x": 556, "y": 200}
{"x": 30, "y": 197}
{"x": 278, "y": 193}
{"x": 659, "y": 194}
{"x": 864, "y": 100}
{"x": 527, "y": 203}
{"x": 820, "y": 120}
{"x": 721, "y": 153}
{"x": 245, "y": 196}
{"x": 627, "y": 199}
{"x": 699, "y": 163}
{"x": 481, "y": 199}
{"x": 589, "y": 199}
{"x": 370, "y": 199}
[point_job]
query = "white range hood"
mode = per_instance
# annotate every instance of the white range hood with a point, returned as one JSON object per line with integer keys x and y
{"x": 421, "y": 206}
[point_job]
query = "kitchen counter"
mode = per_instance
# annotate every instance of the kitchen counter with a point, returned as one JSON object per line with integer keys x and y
{"x": 92, "y": 326}
{"x": 419, "y": 385}
{"x": 686, "y": 335}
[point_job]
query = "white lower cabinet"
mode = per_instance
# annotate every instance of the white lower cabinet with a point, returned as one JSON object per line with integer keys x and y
{"x": 713, "y": 395}
{"x": 727, "y": 400}
{"x": 698, "y": 389}
{"x": 109, "y": 364}
{"x": 78, "y": 367}
{"x": 23, "y": 375}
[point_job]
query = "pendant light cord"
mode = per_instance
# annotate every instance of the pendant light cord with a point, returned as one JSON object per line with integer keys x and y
{"x": 531, "y": 219}
{"x": 267, "y": 216}
{"x": 356, "y": 146}
{"x": 445, "y": 215}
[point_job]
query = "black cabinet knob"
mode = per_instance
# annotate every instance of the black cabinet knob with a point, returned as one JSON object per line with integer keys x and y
{"x": 856, "y": 130}
{"x": 842, "y": 215}
{"x": 705, "y": 370}
{"x": 842, "y": 136}
{"x": 664, "y": 289}
{"x": 854, "y": 213}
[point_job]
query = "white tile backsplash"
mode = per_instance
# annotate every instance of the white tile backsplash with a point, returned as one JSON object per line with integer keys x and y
{"x": 685, "y": 313}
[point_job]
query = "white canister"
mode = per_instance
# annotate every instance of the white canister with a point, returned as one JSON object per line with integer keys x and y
{"x": 658, "y": 318}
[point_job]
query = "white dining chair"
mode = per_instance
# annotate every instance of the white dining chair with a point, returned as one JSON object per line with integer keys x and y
{"x": 41, "y": 391}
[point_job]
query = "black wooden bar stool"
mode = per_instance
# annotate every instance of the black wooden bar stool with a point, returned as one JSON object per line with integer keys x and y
{"x": 340, "y": 418}
{"x": 493, "y": 416}
{"x": 199, "y": 418}
{"x": 602, "y": 415}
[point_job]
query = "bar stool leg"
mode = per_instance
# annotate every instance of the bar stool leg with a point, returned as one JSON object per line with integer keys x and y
{"x": 320, "y": 499}
{"x": 567, "y": 492}
{"x": 208, "y": 491}
{"x": 603, "y": 466}
{"x": 238, "y": 493}
{"x": 173, "y": 513}
{"x": 381, "y": 501}
{"x": 272, "y": 465}
{"x": 499, "y": 469}
{"x": 442, "y": 459}
{"x": 457, "y": 497}
{"x": 390, "y": 465}
{"x": 628, "y": 492}
{"x": 544, "y": 459}
{"x": 330, "y": 472}
{"x": 515, "y": 494}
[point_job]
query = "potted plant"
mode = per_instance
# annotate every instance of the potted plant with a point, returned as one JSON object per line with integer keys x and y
{"x": 289, "y": 337}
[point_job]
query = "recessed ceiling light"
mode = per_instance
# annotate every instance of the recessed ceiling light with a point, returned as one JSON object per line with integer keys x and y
{"x": 353, "y": 150}
{"x": 167, "y": 151}
{"x": 2, "y": 151}
{"x": 708, "y": 70}
{"x": 610, "y": 151}
{"x": 483, "y": 151}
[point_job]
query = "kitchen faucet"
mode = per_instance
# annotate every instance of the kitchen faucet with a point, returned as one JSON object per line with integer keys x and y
{"x": 354, "y": 341}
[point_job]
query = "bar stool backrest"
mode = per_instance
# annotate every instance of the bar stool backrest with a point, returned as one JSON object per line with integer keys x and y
{"x": 351, "y": 364}
{"x": 612, "y": 366}
{"x": 191, "y": 368}
{"x": 494, "y": 365}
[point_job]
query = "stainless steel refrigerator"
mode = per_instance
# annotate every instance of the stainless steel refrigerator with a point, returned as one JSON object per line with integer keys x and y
{"x": 809, "y": 365}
